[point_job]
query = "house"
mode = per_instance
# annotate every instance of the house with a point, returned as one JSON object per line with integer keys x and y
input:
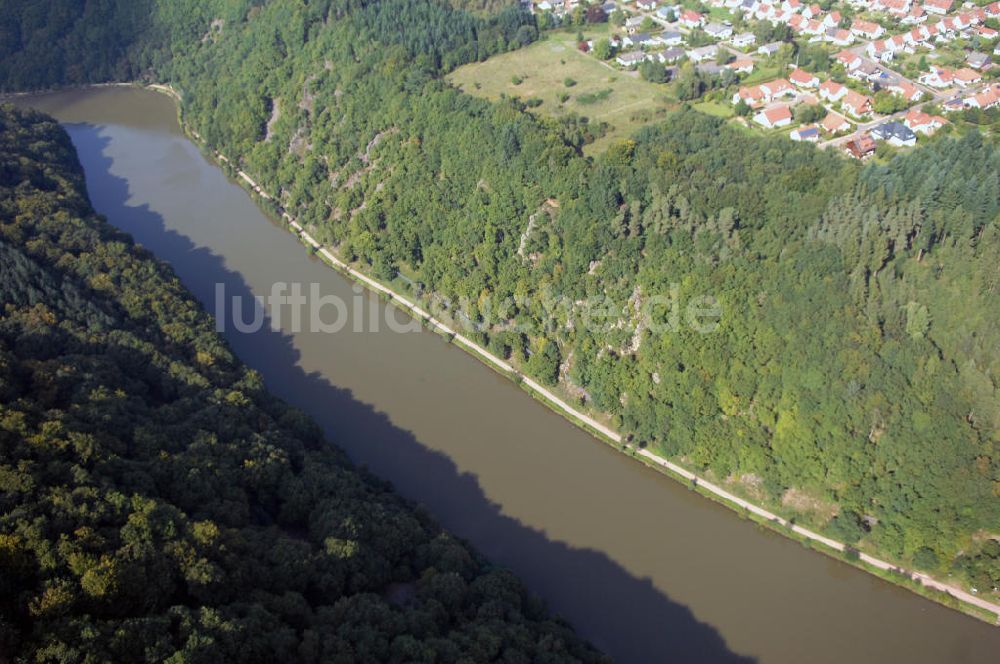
{"x": 856, "y": 104}
{"x": 609, "y": 7}
{"x": 953, "y": 105}
{"x": 966, "y": 77}
{"x": 775, "y": 116}
{"x": 938, "y": 77}
{"x": 632, "y": 25}
{"x": 670, "y": 38}
{"x": 751, "y": 96}
{"x": 860, "y": 146}
{"x": 849, "y": 59}
{"x": 803, "y": 79}
{"x": 879, "y": 50}
{"x": 718, "y": 31}
{"x": 867, "y": 71}
{"x": 867, "y": 29}
{"x": 939, "y": 7}
{"x": 630, "y": 59}
{"x": 638, "y": 39}
{"x": 835, "y": 123}
{"x": 703, "y": 53}
{"x": 743, "y": 66}
{"x": 923, "y": 123}
{"x": 769, "y": 49}
{"x": 978, "y": 60}
{"x": 671, "y": 54}
{"x": 810, "y": 134}
{"x": 779, "y": 87}
{"x": 916, "y": 15}
{"x": 906, "y": 90}
{"x": 895, "y": 133}
{"x": 691, "y": 19}
{"x": 984, "y": 100}
{"x": 744, "y": 39}
{"x": 987, "y": 33}
{"x": 647, "y": 5}
{"x": 839, "y": 37}
{"x": 832, "y": 91}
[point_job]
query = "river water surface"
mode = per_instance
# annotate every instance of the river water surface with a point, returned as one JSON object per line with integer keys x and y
{"x": 643, "y": 567}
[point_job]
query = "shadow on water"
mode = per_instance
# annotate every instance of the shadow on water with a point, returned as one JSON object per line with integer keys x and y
{"x": 625, "y": 616}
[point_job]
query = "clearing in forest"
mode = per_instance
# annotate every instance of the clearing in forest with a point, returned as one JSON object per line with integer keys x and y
{"x": 567, "y": 80}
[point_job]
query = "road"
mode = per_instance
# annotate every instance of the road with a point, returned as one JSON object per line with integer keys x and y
{"x": 576, "y": 415}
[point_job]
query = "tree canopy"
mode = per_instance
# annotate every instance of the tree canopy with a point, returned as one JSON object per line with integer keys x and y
{"x": 157, "y": 504}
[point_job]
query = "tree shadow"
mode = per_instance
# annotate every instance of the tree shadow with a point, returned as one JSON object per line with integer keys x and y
{"x": 625, "y": 616}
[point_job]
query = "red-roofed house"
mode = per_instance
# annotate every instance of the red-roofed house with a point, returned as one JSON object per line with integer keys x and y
{"x": 867, "y": 29}
{"x": 849, "y": 59}
{"x": 987, "y": 33}
{"x": 916, "y": 15}
{"x": 751, "y": 96}
{"x": 775, "y": 116}
{"x": 856, "y": 104}
{"x": 906, "y": 90}
{"x": 983, "y": 100}
{"x": 779, "y": 87}
{"x": 938, "y": 77}
{"x": 879, "y": 50}
{"x": 832, "y": 91}
{"x": 744, "y": 66}
{"x": 939, "y": 7}
{"x": 923, "y": 123}
{"x": 839, "y": 37}
{"x": 966, "y": 77}
{"x": 860, "y": 146}
{"x": 835, "y": 123}
{"x": 803, "y": 79}
{"x": 691, "y": 19}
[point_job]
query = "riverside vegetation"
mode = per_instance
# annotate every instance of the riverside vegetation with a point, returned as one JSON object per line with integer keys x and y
{"x": 851, "y": 382}
{"x": 157, "y": 504}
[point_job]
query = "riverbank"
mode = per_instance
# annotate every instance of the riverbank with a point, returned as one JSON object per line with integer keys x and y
{"x": 927, "y": 586}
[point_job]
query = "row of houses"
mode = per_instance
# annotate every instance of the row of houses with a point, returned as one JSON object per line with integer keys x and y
{"x": 929, "y": 35}
{"x": 858, "y": 69}
{"x": 984, "y": 99}
{"x": 854, "y": 103}
{"x": 942, "y": 77}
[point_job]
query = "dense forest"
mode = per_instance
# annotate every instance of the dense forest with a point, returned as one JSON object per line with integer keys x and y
{"x": 157, "y": 504}
{"x": 850, "y": 381}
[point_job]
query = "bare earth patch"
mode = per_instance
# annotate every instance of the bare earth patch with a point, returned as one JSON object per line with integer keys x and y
{"x": 802, "y": 502}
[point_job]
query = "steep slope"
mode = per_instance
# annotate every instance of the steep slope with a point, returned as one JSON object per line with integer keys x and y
{"x": 156, "y": 503}
{"x": 851, "y": 381}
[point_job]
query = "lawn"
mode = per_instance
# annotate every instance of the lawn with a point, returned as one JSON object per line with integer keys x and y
{"x": 762, "y": 74}
{"x": 718, "y": 109}
{"x": 543, "y": 69}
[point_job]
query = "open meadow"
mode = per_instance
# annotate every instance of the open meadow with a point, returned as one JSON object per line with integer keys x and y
{"x": 569, "y": 81}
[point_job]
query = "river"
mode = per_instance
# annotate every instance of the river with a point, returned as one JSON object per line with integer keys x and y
{"x": 643, "y": 567}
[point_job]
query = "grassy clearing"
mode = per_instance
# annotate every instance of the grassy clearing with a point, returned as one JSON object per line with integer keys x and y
{"x": 543, "y": 69}
{"x": 762, "y": 73}
{"x": 718, "y": 109}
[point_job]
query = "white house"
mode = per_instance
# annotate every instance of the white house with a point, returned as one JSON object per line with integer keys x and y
{"x": 775, "y": 116}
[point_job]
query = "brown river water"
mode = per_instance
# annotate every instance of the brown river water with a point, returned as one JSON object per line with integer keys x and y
{"x": 643, "y": 567}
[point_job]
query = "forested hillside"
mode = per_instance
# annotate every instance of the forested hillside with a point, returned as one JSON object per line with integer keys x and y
{"x": 157, "y": 504}
{"x": 851, "y": 382}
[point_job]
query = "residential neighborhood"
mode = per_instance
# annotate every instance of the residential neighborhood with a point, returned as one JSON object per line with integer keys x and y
{"x": 886, "y": 70}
